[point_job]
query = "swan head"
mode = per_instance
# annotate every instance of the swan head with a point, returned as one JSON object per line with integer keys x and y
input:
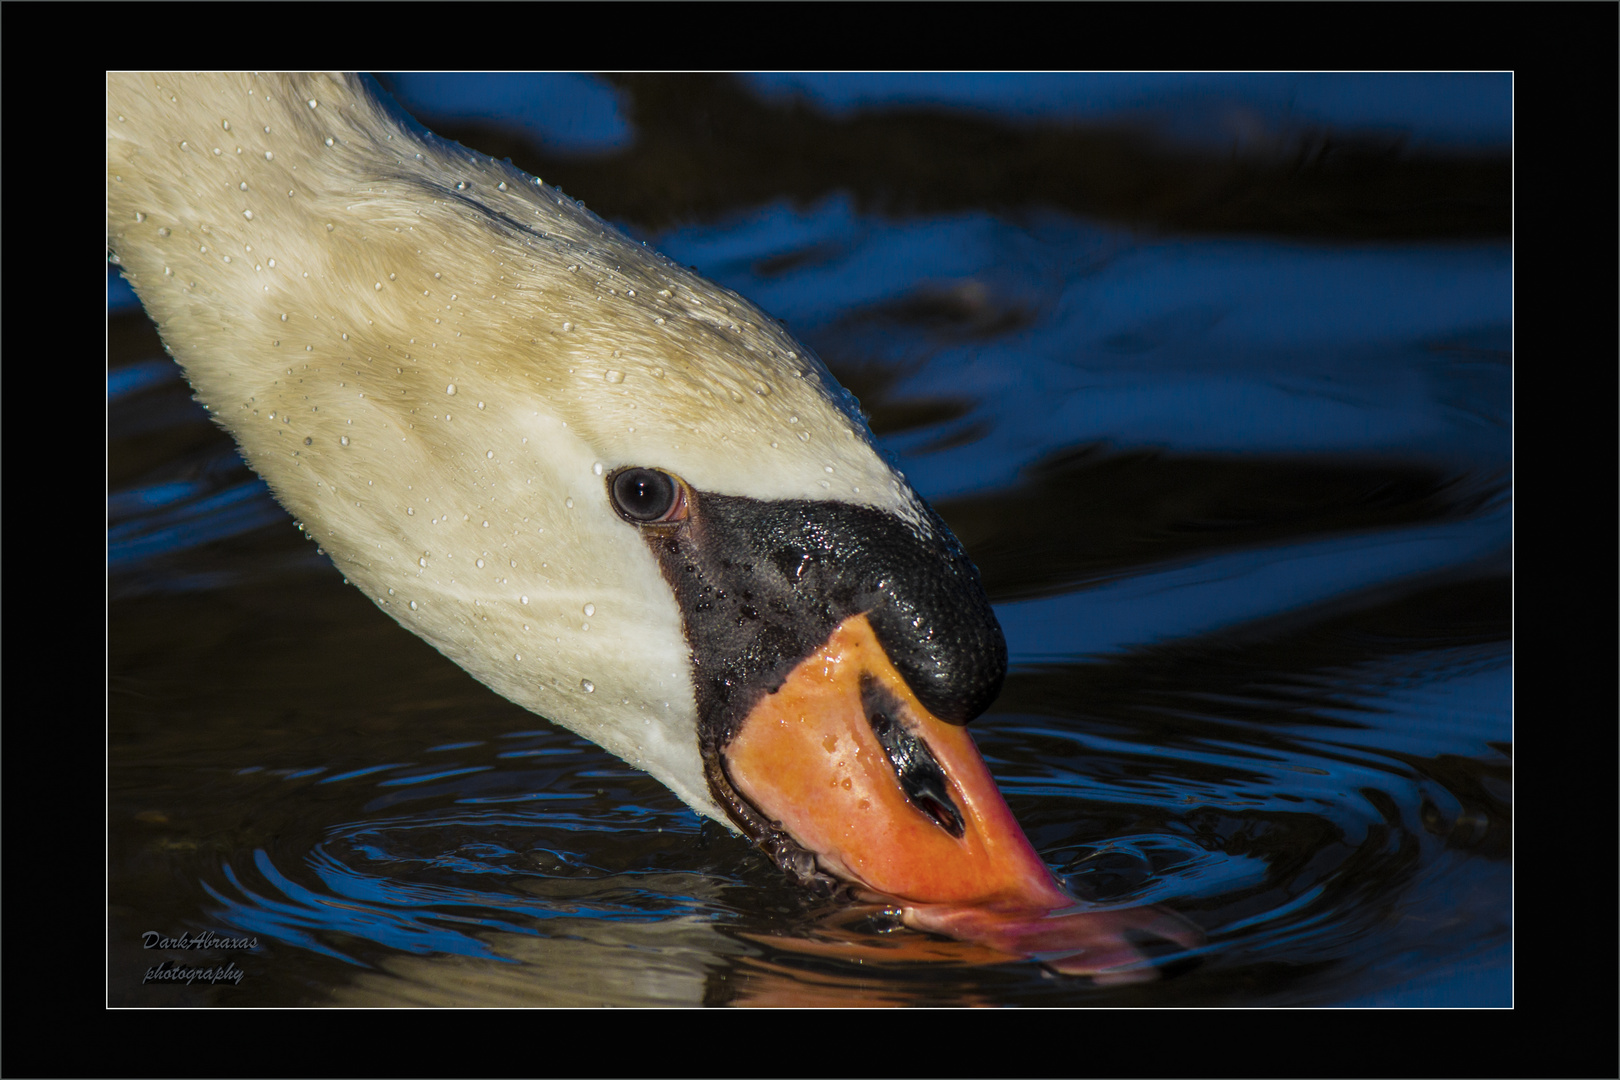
{"x": 618, "y": 494}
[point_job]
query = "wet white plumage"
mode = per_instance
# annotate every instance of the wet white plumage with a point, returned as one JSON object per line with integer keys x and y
{"x": 433, "y": 359}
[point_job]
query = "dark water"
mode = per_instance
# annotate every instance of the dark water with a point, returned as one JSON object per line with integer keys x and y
{"x": 1213, "y": 379}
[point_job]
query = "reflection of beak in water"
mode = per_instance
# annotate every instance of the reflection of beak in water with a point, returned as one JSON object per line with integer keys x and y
{"x": 1093, "y": 943}
{"x": 847, "y": 761}
{"x": 1089, "y": 943}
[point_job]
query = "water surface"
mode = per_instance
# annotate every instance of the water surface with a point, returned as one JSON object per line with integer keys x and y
{"x": 1224, "y": 418}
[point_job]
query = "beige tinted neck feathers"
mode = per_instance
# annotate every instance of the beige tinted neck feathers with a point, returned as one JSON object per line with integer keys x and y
{"x": 433, "y": 360}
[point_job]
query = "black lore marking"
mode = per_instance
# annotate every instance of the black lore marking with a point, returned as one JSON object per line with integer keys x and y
{"x": 762, "y": 584}
{"x": 914, "y": 764}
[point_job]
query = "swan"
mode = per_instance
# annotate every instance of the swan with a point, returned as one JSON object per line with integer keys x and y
{"x": 615, "y": 493}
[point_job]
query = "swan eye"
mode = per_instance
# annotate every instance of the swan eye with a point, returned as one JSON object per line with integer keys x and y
{"x": 647, "y": 496}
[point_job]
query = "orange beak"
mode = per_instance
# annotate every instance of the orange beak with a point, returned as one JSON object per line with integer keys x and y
{"x": 809, "y": 756}
{"x": 821, "y": 757}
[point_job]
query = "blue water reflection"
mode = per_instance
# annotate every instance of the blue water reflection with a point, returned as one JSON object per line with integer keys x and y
{"x": 1473, "y": 110}
{"x": 568, "y": 112}
{"x": 1237, "y": 346}
{"x": 1211, "y": 593}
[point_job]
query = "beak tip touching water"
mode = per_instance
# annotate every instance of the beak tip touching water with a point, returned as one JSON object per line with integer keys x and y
{"x": 846, "y": 761}
{"x": 884, "y": 794}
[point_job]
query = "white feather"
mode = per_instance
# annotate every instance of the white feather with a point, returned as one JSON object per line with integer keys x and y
{"x": 433, "y": 359}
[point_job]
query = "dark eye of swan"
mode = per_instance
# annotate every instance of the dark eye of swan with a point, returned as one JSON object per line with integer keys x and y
{"x": 647, "y": 496}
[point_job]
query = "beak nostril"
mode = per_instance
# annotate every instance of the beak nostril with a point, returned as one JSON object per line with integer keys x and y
{"x": 944, "y": 814}
{"x": 915, "y": 766}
